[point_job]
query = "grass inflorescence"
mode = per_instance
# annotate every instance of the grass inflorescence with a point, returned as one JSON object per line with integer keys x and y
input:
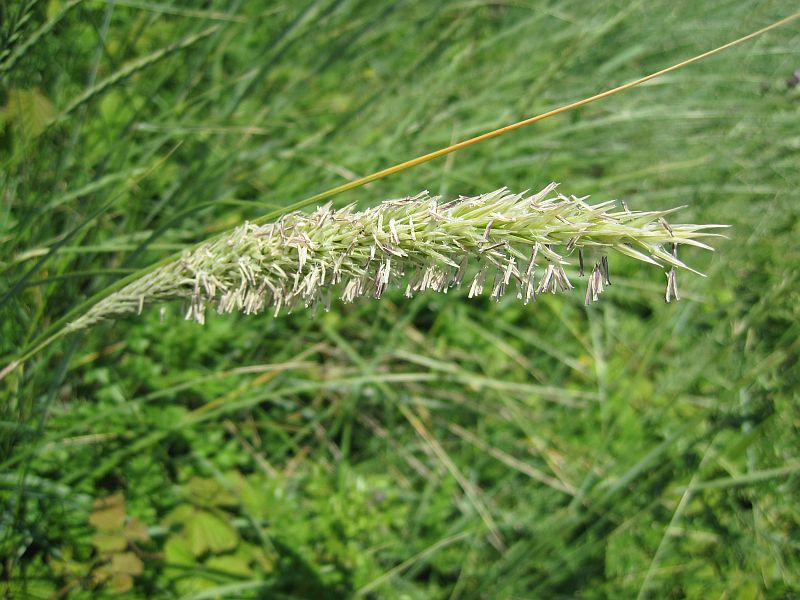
{"x": 421, "y": 241}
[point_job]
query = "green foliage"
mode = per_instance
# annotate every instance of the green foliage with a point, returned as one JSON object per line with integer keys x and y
{"x": 434, "y": 447}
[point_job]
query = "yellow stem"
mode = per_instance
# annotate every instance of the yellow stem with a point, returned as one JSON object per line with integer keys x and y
{"x": 519, "y": 124}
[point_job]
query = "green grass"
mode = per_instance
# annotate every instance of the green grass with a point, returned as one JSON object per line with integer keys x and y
{"x": 437, "y": 447}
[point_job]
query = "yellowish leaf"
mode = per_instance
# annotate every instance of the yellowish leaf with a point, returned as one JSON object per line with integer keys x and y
{"x": 29, "y": 110}
{"x": 136, "y": 530}
{"x": 107, "y": 543}
{"x": 209, "y": 492}
{"x": 120, "y": 582}
{"x": 108, "y": 513}
{"x": 126, "y": 562}
{"x": 53, "y": 8}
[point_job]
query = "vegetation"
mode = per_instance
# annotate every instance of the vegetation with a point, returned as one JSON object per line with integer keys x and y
{"x": 438, "y": 446}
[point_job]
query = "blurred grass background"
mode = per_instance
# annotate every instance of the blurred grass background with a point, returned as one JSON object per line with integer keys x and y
{"x": 437, "y": 447}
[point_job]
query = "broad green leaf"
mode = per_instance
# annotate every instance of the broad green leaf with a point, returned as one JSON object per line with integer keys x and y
{"x": 208, "y": 532}
{"x": 231, "y": 564}
{"x": 179, "y": 515}
{"x": 177, "y": 551}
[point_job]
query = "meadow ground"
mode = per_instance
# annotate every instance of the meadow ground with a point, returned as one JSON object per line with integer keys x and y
{"x": 437, "y": 447}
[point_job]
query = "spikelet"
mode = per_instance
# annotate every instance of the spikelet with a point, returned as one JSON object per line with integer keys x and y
{"x": 520, "y": 240}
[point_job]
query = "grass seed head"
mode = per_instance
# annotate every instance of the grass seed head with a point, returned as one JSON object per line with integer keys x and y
{"x": 421, "y": 241}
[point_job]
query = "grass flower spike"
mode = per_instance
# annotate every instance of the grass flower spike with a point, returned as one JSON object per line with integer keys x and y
{"x": 501, "y": 239}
